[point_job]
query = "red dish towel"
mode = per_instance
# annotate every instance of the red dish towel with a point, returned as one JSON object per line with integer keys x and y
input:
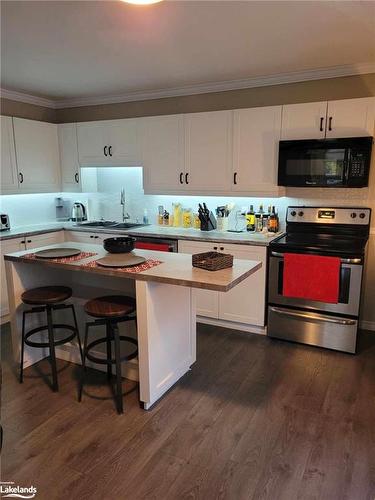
{"x": 159, "y": 247}
{"x": 312, "y": 277}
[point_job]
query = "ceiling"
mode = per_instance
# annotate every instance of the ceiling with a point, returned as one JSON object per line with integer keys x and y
{"x": 74, "y": 49}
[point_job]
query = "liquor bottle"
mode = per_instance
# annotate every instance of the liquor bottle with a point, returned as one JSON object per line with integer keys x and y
{"x": 250, "y": 217}
{"x": 273, "y": 222}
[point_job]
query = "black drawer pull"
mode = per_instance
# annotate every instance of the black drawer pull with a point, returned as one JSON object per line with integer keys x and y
{"x": 20, "y": 176}
{"x": 215, "y": 248}
{"x": 105, "y": 151}
{"x": 186, "y": 178}
{"x": 181, "y": 178}
{"x": 76, "y": 177}
{"x": 321, "y": 123}
{"x": 29, "y": 241}
{"x": 221, "y": 248}
{"x": 235, "y": 178}
{"x": 330, "y": 123}
{"x": 110, "y": 150}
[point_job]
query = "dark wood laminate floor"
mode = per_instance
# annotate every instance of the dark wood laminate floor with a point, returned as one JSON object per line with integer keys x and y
{"x": 254, "y": 419}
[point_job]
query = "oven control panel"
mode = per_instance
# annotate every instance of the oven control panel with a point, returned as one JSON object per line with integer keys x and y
{"x": 323, "y": 215}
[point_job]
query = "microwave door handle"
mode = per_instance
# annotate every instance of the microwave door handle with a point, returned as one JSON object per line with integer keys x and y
{"x": 343, "y": 261}
{"x": 321, "y": 318}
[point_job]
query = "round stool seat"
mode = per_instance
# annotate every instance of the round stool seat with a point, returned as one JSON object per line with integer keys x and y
{"x": 45, "y": 295}
{"x": 110, "y": 306}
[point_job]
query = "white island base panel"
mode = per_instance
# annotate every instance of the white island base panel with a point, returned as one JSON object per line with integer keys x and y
{"x": 166, "y": 318}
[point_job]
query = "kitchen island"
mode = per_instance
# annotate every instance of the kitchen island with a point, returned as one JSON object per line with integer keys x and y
{"x": 165, "y": 305}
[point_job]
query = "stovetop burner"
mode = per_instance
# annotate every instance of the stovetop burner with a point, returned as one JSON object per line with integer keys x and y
{"x": 325, "y": 231}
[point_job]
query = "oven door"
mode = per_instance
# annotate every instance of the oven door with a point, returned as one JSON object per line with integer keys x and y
{"x": 313, "y": 163}
{"x": 349, "y": 292}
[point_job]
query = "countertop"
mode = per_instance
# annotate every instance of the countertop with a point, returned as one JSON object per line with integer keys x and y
{"x": 151, "y": 231}
{"x": 175, "y": 269}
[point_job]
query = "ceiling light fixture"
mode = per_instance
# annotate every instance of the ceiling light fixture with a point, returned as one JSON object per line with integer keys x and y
{"x": 142, "y": 2}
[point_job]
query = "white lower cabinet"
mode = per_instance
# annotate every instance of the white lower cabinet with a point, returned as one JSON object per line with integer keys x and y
{"x": 245, "y": 303}
{"x": 17, "y": 245}
{"x": 85, "y": 237}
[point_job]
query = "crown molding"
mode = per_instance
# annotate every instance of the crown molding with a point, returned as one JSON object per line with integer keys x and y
{"x": 247, "y": 83}
{"x": 27, "y": 98}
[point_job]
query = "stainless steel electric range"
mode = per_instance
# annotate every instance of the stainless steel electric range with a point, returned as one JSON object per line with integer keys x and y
{"x": 341, "y": 232}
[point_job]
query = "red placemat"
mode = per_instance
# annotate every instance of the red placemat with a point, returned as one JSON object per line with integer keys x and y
{"x": 64, "y": 260}
{"x": 134, "y": 269}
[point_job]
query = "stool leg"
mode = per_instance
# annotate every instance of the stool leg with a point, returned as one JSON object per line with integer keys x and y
{"x": 83, "y": 363}
{"x": 116, "y": 335}
{"x": 109, "y": 350}
{"x": 55, "y": 385}
{"x": 22, "y": 346}
{"x": 78, "y": 336}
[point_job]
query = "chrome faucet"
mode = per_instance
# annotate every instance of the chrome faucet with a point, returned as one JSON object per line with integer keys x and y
{"x": 126, "y": 215}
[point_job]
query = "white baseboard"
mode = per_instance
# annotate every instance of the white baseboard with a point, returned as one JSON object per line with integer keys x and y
{"x": 260, "y": 330}
{"x": 367, "y": 325}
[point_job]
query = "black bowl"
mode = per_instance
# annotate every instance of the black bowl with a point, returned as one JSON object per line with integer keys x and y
{"x": 122, "y": 244}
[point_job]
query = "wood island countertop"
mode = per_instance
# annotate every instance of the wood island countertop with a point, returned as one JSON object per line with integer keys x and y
{"x": 176, "y": 268}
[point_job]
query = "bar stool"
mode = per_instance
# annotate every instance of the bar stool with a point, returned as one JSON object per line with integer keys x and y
{"x": 109, "y": 311}
{"x": 48, "y": 299}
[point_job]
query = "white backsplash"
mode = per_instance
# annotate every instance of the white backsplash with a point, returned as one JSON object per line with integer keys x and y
{"x": 102, "y": 198}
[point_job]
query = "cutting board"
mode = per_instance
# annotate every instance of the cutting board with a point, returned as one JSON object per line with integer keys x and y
{"x": 57, "y": 253}
{"x": 121, "y": 260}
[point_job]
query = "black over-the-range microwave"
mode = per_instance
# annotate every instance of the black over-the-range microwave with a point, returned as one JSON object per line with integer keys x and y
{"x": 325, "y": 162}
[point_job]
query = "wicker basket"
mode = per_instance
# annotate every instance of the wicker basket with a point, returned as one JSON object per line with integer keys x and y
{"x": 212, "y": 261}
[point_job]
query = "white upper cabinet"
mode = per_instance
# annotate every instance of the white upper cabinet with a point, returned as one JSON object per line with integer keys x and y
{"x": 351, "y": 117}
{"x": 163, "y": 153}
{"x": 255, "y": 150}
{"x": 332, "y": 119}
{"x": 208, "y": 151}
{"x": 9, "y": 174}
{"x": 70, "y": 169}
{"x": 109, "y": 143}
{"x": 304, "y": 121}
{"x": 37, "y": 153}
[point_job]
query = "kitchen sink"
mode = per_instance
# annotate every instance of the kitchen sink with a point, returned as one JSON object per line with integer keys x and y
{"x": 107, "y": 224}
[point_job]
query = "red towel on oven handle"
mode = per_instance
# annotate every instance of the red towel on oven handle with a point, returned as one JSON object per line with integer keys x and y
{"x": 159, "y": 247}
{"x": 312, "y": 277}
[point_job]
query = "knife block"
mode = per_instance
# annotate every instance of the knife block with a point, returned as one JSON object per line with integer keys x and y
{"x": 209, "y": 224}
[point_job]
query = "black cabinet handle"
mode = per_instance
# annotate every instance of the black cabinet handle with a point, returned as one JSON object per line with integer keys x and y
{"x": 235, "y": 178}
{"x": 181, "y": 178}
{"x": 321, "y": 123}
{"x": 105, "y": 151}
{"x": 186, "y": 178}
{"x": 76, "y": 177}
{"x": 23, "y": 241}
{"x": 221, "y": 248}
{"x": 20, "y": 176}
{"x": 96, "y": 237}
{"x": 110, "y": 150}
{"x": 215, "y": 248}
{"x": 91, "y": 236}
{"x": 29, "y": 241}
{"x": 330, "y": 123}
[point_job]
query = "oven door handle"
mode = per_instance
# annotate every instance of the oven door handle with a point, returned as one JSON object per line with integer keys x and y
{"x": 343, "y": 261}
{"x": 321, "y": 318}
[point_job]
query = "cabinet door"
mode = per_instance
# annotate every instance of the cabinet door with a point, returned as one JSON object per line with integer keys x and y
{"x": 255, "y": 149}
{"x": 245, "y": 303}
{"x": 93, "y": 142}
{"x": 37, "y": 152}
{"x": 70, "y": 169}
{"x": 304, "y": 121}
{"x": 208, "y": 150}
{"x": 207, "y": 301}
{"x": 8, "y": 246}
{"x": 351, "y": 117}
{"x": 43, "y": 240}
{"x": 9, "y": 174}
{"x": 124, "y": 142}
{"x": 163, "y": 154}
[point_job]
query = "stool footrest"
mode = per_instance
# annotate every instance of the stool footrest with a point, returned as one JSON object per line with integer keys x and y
{"x": 45, "y": 328}
{"x": 105, "y": 361}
